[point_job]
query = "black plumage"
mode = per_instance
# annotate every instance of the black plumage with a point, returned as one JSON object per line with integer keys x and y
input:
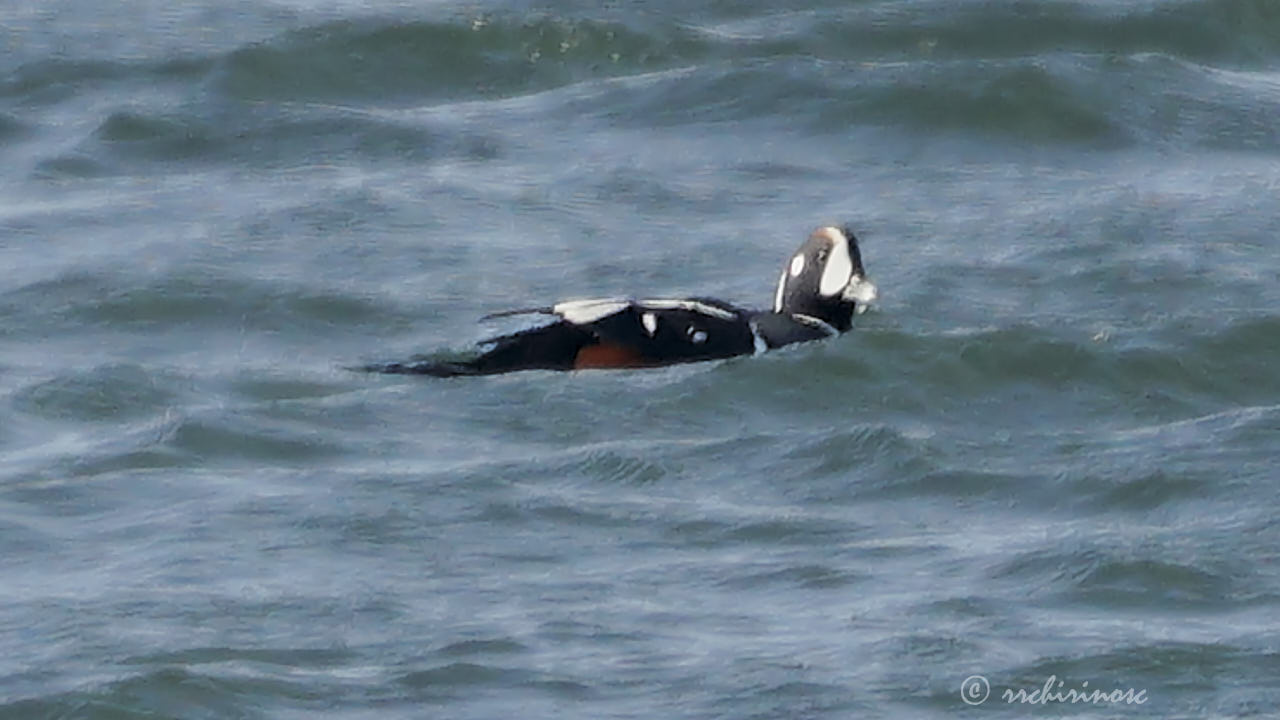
{"x": 822, "y": 286}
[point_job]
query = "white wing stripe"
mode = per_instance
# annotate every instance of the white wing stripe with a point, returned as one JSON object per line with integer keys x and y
{"x": 690, "y": 305}
{"x": 585, "y": 312}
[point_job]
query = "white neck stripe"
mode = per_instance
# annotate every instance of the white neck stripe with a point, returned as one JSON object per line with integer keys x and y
{"x": 782, "y": 287}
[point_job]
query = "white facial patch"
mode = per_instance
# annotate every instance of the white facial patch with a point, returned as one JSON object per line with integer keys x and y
{"x": 697, "y": 337}
{"x": 839, "y": 267}
{"x": 650, "y": 322}
{"x": 797, "y": 265}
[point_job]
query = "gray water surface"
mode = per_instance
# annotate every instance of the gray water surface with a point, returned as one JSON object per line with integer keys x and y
{"x": 1047, "y": 453}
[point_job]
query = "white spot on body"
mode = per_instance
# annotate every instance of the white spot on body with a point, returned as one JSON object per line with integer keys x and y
{"x": 697, "y": 336}
{"x": 650, "y": 322}
{"x": 777, "y": 296}
{"x": 797, "y": 265}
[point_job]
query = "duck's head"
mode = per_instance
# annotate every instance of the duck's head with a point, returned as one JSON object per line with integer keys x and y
{"x": 825, "y": 279}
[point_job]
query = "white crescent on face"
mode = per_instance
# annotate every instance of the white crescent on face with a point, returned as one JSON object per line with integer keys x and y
{"x": 839, "y": 268}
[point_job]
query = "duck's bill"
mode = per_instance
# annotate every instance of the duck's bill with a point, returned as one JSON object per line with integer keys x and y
{"x": 861, "y": 291}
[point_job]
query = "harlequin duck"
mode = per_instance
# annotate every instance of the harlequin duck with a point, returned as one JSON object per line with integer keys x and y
{"x": 822, "y": 286}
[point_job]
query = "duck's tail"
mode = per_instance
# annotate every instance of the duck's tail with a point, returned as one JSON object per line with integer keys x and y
{"x": 429, "y": 368}
{"x": 549, "y": 347}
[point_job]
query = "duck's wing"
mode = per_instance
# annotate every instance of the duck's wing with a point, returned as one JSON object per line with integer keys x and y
{"x": 606, "y": 333}
{"x": 578, "y": 312}
{"x": 618, "y": 332}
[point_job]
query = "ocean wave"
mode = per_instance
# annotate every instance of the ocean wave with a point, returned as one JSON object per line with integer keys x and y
{"x": 1169, "y": 73}
{"x": 1115, "y": 578}
{"x": 1021, "y": 100}
{"x": 499, "y": 54}
{"x": 168, "y": 690}
{"x": 512, "y": 51}
{"x": 48, "y": 81}
{"x": 459, "y": 678}
{"x": 265, "y": 138}
{"x": 247, "y": 438}
{"x": 807, "y": 577}
{"x": 1226, "y": 31}
{"x": 299, "y": 657}
{"x": 1227, "y": 365}
{"x": 187, "y": 299}
{"x": 419, "y": 60}
{"x": 1111, "y": 485}
{"x": 1058, "y": 98}
{"x": 109, "y": 392}
{"x": 1169, "y": 671}
{"x": 11, "y": 128}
